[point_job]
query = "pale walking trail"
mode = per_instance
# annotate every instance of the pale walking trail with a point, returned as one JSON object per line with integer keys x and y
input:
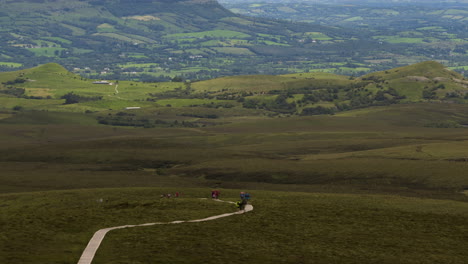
{"x": 93, "y": 245}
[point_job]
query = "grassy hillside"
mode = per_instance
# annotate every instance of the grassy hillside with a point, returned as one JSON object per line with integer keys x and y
{"x": 370, "y": 183}
{"x": 51, "y": 88}
{"x": 397, "y": 149}
{"x": 284, "y": 227}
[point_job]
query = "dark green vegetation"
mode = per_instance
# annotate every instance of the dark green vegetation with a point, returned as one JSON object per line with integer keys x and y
{"x": 381, "y": 183}
{"x": 159, "y": 40}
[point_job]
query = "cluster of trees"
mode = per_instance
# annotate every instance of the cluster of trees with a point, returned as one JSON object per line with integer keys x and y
{"x": 131, "y": 120}
{"x": 280, "y": 104}
{"x": 72, "y": 98}
{"x": 15, "y": 81}
{"x": 210, "y": 116}
{"x": 17, "y": 92}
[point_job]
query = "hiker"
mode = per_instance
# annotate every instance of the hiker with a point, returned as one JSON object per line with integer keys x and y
{"x": 242, "y": 195}
{"x": 241, "y": 205}
{"x": 215, "y": 194}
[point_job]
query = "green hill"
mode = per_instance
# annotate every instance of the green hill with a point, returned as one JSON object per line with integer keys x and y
{"x": 428, "y": 69}
{"x": 50, "y": 87}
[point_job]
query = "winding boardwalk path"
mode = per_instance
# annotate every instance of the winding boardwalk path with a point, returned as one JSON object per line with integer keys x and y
{"x": 93, "y": 245}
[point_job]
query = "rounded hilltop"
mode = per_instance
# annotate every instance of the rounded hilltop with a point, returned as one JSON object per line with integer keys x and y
{"x": 426, "y": 69}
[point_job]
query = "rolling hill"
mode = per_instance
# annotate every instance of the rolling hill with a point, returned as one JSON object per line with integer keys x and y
{"x": 51, "y": 87}
{"x": 382, "y": 182}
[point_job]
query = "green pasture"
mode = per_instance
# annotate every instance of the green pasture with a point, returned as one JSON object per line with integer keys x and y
{"x": 456, "y": 12}
{"x": 76, "y": 31}
{"x": 46, "y": 52}
{"x": 272, "y": 43}
{"x": 397, "y": 39}
{"x": 433, "y": 28}
{"x": 459, "y": 68}
{"x": 211, "y": 34}
{"x": 317, "y": 75}
{"x": 237, "y": 20}
{"x": 139, "y": 65}
{"x": 81, "y": 51}
{"x": 318, "y": 36}
{"x": 426, "y": 69}
{"x": 261, "y": 83}
{"x": 54, "y": 81}
{"x": 190, "y": 69}
{"x": 250, "y": 83}
{"x": 189, "y": 102}
{"x": 236, "y": 51}
{"x": 106, "y": 28}
{"x": 136, "y": 55}
{"x": 355, "y": 70}
{"x": 10, "y": 102}
{"x": 119, "y": 37}
{"x": 11, "y": 64}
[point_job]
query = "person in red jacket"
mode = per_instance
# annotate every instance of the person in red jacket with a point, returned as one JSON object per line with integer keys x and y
{"x": 215, "y": 194}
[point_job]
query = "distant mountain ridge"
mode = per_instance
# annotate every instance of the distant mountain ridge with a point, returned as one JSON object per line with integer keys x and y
{"x": 158, "y": 40}
{"x": 101, "y": 34}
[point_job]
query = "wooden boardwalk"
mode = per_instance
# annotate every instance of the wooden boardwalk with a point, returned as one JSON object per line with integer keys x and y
{"x": 93, "y": 245}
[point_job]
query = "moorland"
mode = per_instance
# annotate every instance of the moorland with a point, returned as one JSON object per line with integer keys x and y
{"x": 368, "y": 169}
{"x": 368, "y": 166}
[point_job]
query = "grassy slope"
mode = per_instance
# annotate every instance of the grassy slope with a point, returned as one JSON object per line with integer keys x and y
{"x": 266, "y": 83}
{"x": 284, "y": 227}
{"x": 429, "y": 69}
{"x": 373, "y": 151}
{"x": 54, "y": 227}
{"x": 362, "y": 153}
{"x": 307, "y": 228}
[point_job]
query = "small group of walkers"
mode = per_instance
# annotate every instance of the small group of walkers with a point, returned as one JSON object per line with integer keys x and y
{"x": 244, "y": 198}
